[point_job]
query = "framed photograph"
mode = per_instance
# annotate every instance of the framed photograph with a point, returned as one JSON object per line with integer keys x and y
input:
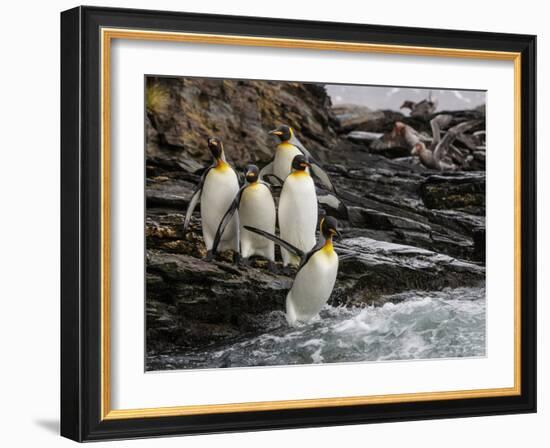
{"x": 277, "y": 224}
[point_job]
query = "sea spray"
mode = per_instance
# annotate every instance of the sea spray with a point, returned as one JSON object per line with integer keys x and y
{"x": 413, "y": 325}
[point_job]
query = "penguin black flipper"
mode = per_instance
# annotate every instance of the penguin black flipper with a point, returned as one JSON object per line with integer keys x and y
{"x": 316, "y": 168}
{"x": 275, "y": 189}
{"x": 268, "y": 185}
{"x": 227, "y": 218}
{"x": 294, "y": 141}
{"x": 320, "y": 173}
{"x": 270, "y": 176}
{"x": 329, "y": 199}
{"x": 298, "y": 252}
{"x": 268, "y": 169}
{"x": 318, "y": 246}
{"x": 321, "y": 242}
{"x": 195, "y": 198}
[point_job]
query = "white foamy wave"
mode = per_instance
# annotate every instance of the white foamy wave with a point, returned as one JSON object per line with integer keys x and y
{"x": 412, "y": 325}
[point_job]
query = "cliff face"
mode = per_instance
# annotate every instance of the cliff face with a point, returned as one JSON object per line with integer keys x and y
{"x": 409, "y": 227}
{"x": 183, "y": 113}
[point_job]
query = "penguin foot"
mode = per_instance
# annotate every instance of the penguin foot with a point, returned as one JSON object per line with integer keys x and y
{"x": 243, "y": 261}
{"x": 272, "y": 267}
{"x": 287, "y": 270}
{"x": 239, "y": 260}
{"x": 209, "y": 255}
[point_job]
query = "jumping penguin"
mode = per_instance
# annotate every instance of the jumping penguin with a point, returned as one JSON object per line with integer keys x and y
{"x": 298, "y": 210}
{"x": 256, "y": 207}
{"x": 288, "y": 148}
{"x": 316, "y": 275}
{"x": 216, "y": 190}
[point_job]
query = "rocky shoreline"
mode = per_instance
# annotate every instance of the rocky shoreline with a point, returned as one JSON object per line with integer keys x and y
{"x": 409, "y": 227}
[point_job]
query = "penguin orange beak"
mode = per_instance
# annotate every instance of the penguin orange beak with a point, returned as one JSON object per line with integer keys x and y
{"x": 275, "y": 132}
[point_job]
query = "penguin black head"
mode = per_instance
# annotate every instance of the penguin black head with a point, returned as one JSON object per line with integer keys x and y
{"x": 300, "y": 163}
{"x": 252, "y": 173}
{"x": 216, "y": 147}
{"x": 284, "y": 132}
{"x": 329, "y": 227}
{"x": 407, "y": 105}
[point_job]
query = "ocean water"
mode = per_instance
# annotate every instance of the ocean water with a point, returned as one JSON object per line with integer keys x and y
{"x": 414, "y": 325}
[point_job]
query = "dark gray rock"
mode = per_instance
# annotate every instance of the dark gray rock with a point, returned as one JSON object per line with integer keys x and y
{"x": 195, "y": 303}
{"x": 162, "y": 191}
{"x": 351, "y": 116}
{"x": 378, "y": 268}
{"x": 461, "y": 191}
{"x": 363, "y": 136}
{"x": 192, "y": 304}
{"x": 374, "y": 219}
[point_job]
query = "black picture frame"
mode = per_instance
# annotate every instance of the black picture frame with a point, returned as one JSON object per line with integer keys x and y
{"x": 81, "y": 224}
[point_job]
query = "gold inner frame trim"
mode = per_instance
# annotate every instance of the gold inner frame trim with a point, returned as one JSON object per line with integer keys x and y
{"x": 107, "y": 35}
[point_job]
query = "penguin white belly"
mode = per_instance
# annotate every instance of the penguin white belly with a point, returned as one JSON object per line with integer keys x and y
{"x": 219, "y": 189}
{"x": 312, "y": 287}
{"x": 298, "y": 214}
{"x": 282, "y": 163}
{"x": 257, "y": 209}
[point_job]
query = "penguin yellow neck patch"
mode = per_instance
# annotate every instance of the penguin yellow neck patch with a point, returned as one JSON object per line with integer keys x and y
{"x": 328, "y": 248}
{"x": 285, "y": 145}
{"x": 253, "y": 184}
{"x": 299, "y": 173}
{"x": 222, "y": 165}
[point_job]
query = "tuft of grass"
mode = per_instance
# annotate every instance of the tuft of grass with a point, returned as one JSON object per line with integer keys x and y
{"x": 157, "y": 98}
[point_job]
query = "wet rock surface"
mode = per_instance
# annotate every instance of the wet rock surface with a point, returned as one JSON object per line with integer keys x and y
{"x": 406, "y": 227}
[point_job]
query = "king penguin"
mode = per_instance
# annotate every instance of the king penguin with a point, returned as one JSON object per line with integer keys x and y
{"x": 256, "y": 207}
{"x": 298, "y": 210}
{"x": 288, "y": 148}
{"x": 316, "y": 275}
{"x": 281, "y": 164}
{"x": 216, "y": 191}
